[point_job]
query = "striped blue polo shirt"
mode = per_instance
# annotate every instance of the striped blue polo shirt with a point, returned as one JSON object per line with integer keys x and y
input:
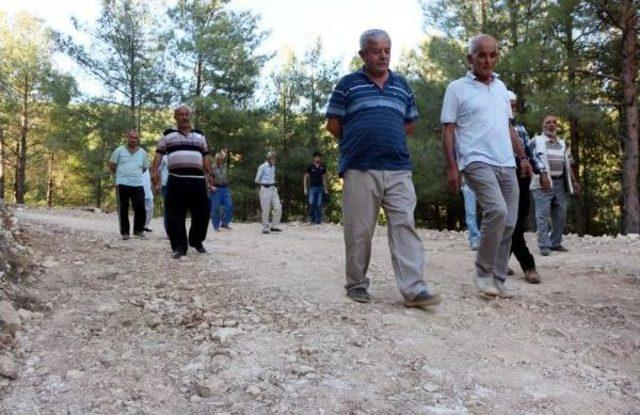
{"x": 373, "y": 122}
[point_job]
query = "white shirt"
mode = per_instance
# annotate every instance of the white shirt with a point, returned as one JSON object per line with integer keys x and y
{"x": 266, "y": 173}
{"x": 481, "y": 115}
{"x": 146, "y": 184}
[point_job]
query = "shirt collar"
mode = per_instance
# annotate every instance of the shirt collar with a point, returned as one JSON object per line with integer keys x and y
{"x": 361, "y": 72}
{"x": 472, "y": 77}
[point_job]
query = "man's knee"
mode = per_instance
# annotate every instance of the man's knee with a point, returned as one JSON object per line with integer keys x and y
{"x": 497, "y": 214}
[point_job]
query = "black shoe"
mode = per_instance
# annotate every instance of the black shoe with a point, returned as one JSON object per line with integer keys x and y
{"x": 424, "y": 299}
{"x": 139, "y": 235}
{"x": 509, "y": 271}
{"x": 147, "y": 230}
{"x": 559, "y": 248}
{"x": 178, "y": 254}
{"x": 125, "y": 237}
{"x": 225, "y": 226}
{"x": 200, "y": 248}
{"x": 359, "y": 294}
{"x": 265, "y": 232}
{"x": 276, "y": 230}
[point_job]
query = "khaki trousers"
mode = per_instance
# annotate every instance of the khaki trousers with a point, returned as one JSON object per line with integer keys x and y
{"x": 365, "y": 191}
{"x": 269, "y": 200}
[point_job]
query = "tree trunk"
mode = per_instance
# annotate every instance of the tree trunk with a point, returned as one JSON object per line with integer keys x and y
{"x": 21, "y": 165}
{"x": 2, "y": 163}
{"x": 631, "y": 202}
{"x": 50, "y": 184}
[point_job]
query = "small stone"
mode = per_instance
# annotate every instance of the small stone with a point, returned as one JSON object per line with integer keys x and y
{"x": 8, "y": 367}
{"x": 230, "y": 323}
{"x": 152, "y": 320}
{"x": 253, "y": 390}
{"x": 9, "y": 318}
{"x": 74, "y": 375}
{"x": 25, "y": 315}
{"x": 210, "y": 387}
{"x": 303, "y": 370}
{"x": 224, "y": 334}
{"x": 79, "y": 262}
{"x": 49, "y": 262}
{"x": 431, "y": 387}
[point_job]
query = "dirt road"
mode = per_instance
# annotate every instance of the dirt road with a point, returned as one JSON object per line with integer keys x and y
{"x": 261, "y": 325}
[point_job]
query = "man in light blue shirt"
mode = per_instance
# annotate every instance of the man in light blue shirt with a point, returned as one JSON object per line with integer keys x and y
{"x": 269, "y": 199}
{"x": 128, "y": 162}
{"x": 480, "y": 142}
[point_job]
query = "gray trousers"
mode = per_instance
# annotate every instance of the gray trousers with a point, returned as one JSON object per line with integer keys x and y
{"x": 551, "y": 204}
{"x": 270, "y": 200}
{"x": 365, "y": 191}
{"x": 497, "y": 192}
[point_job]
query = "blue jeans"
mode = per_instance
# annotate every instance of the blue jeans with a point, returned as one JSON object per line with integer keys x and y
{"x": 221, "y": 200}
{"x": 470, "y": 213}
{"x": 315, "y": 204}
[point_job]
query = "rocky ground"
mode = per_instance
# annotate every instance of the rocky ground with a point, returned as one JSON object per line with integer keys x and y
{"x": 262, "y": 325}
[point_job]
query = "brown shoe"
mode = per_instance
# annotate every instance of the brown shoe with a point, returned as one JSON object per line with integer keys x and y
{"x": 532, "y": 276}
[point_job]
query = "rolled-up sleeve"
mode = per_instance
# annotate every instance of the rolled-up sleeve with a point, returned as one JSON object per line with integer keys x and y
{"x": 337, "y": 107}
{"x": 449, "y": 112}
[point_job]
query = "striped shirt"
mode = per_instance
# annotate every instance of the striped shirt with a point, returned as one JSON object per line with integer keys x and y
{"x": 373, "y": 122}
{"x": 220, "y": 175}
{"x": 555, "y": 156}
{"x": 536, "y": 163}
{"x": 184, "y": 152}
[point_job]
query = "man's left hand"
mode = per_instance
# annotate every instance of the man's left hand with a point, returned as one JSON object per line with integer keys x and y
{"x": 576, "y": 188}
{"x": 525, "y": 168}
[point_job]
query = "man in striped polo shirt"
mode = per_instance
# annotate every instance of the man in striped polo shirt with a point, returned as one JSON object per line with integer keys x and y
{"x": 188, "y": 162}
{"x": 552, "y": 203}
{"x": 371, "y": 111}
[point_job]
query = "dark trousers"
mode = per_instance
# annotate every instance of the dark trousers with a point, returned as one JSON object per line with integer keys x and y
{"x": 518, "y": 243}
{"x": 186, "y": 194}
{"x": 135, "y": 194}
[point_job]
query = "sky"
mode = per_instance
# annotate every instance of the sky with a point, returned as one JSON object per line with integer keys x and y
{"x": 292, "y": 23}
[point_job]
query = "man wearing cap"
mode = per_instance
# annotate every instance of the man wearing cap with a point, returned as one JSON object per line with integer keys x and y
{"x": 518, "y": 243}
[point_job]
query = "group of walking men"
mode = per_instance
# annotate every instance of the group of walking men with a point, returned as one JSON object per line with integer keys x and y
{"x": 371, "y": 112}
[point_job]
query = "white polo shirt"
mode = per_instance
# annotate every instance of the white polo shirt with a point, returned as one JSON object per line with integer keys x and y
{"x": 481, "y": 114}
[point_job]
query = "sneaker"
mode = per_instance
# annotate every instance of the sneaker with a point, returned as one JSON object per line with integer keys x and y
{"x": 473, "y": 245}
{"x": 486, "y": 286}
{"x": 359, "y": 294}
{"x": 424, "y": 299}
{"x": 503, "y": 291}
{"x": 147, "y": 229}
{"x": 125, "y": 237}
{"x": 178, "y": 254}
{"x": 224, "y": 226}
{"x": 532, "y": 276}
{"x": 276, "y": 230}
{"x": 139, "y": 235}
{"x": 201, "y": 249}
{"x": 264, "y": 231}
{"x": 545, "y": 251}
{"x": 509, "y": 271}
{"x": 559, "y": 248}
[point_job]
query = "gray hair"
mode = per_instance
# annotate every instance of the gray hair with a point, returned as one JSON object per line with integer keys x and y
{"x": 475, "y": 42}
{"x": 372, "y": 34}
{"x": 271, "y": 154}
{"x": 181, "y": 106}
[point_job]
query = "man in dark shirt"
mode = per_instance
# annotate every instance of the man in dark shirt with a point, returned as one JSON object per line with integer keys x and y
{"x": 371, "y": 111}
{"x": 315, "y": 185}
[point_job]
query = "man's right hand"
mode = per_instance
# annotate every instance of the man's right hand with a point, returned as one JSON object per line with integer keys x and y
{"x": 545, "y": 182}
{"x": 453, "y": 179}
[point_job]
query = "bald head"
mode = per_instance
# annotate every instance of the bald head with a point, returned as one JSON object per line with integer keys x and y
{"x": 482, "y": 40}
{"x": 182, "y": 114}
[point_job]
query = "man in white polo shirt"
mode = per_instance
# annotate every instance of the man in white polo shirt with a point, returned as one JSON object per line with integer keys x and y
{"x": 480, "y": 142}
{"x": 269, "y": 199}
